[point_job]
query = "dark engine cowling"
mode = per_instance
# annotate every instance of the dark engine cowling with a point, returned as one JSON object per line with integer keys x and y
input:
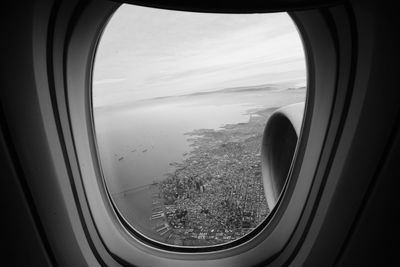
{"x": 278, "y": 146}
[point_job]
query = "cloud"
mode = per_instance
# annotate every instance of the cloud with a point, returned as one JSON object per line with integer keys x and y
{"x": 161, "y": 52}
{"x": 106, "y": 81}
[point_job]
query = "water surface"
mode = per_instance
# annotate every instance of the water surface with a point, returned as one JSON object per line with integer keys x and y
{"x": 138, "y": 142}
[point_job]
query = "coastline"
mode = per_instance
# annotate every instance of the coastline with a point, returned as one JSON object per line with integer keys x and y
{"x": 136, "y": 206}
{"x": 220, "y": 160}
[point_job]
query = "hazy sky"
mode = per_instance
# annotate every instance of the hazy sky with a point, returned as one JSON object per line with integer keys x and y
{"x": 147, "y": 53}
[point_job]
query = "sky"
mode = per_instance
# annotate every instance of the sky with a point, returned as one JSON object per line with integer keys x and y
{"x": 146, "y": 53}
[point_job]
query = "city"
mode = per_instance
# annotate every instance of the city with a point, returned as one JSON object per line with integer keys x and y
{"x": 216, "y": 194}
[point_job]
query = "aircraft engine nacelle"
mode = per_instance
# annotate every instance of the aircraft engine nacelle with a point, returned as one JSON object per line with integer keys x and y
{"x": 278, "y": 146}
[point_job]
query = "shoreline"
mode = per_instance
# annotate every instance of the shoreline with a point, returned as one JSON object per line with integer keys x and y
{"x": 150, "y": 211}
{"x": 136, "y": 208}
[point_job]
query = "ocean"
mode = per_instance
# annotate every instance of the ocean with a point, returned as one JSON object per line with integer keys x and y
{"x": 138, "y": 141}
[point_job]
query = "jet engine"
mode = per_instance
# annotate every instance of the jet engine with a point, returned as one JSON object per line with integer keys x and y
{"x": 278, "y": 146}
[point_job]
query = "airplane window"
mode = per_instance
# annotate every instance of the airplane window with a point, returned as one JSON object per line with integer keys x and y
{"x": 180, "y": 104}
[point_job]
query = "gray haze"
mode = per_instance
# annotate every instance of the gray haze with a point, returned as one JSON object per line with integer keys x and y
{"x": 146, "y": 53}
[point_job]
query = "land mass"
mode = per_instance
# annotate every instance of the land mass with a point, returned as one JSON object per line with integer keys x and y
{"x": 230, "y": 90}
{"x": 216, "y": 194}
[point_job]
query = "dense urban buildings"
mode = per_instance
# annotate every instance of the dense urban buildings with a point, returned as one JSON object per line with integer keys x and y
{"x": 216, "y": 194}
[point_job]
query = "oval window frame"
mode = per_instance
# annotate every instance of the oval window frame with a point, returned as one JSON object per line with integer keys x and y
{"x": 119, "y": 242}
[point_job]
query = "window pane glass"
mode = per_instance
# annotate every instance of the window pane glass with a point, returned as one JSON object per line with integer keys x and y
{"x": 180, "y": 102}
